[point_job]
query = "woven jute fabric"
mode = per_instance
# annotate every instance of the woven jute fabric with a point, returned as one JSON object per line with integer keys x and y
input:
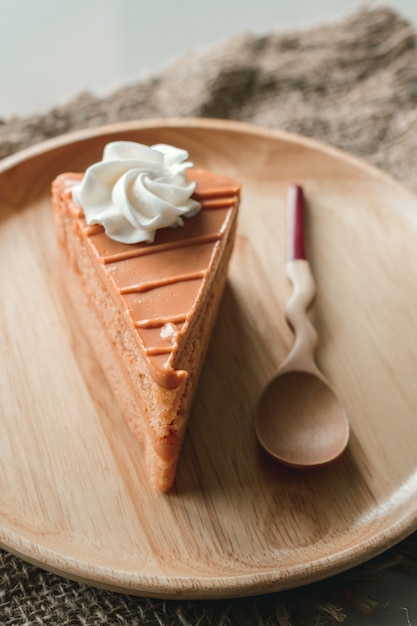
{"x": 352, "y": 84}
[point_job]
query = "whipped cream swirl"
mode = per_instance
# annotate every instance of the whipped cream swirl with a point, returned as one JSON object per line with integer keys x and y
{"x": 137, "y": 189}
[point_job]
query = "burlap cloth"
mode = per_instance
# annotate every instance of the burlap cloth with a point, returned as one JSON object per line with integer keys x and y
{"x": 352, "y": 84}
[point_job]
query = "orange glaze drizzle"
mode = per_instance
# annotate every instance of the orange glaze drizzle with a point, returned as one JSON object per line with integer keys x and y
{"x": 162, "y": 247}
{"x": 154, "y": 284}
{"x": 158, "y": 322}
{"x": 158, "y": 351}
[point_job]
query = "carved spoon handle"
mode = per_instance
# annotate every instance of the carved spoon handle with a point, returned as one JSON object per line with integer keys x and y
{"x": 298, "y": 270}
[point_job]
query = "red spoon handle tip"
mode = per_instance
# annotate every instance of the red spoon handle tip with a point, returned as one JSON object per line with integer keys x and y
{"x": 295, "y": 217}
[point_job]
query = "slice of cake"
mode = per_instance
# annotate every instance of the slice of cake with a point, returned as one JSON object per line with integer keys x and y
{"x": 145, "y": 241}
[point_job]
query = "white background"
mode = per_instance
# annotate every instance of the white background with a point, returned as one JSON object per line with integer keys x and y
{"x": 51, "y": 50}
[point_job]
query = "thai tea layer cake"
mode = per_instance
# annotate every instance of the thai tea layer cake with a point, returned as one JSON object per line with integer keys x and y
{"x": 148, "y": 297}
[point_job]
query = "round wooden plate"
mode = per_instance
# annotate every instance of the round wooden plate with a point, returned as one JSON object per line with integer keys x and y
{"x": 73, "y": 494}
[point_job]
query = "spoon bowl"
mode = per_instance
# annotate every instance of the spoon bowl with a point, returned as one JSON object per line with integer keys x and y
{"x": 299, "y": 419}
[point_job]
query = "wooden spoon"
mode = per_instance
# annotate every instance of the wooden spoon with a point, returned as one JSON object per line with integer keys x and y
{"x": 299, "y": 419}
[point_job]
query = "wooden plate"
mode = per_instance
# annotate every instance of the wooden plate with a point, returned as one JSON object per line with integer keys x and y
{"x": 73, "y": 496}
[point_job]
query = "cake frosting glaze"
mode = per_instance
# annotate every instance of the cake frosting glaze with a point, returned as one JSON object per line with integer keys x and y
{"x": 155, "y": 303}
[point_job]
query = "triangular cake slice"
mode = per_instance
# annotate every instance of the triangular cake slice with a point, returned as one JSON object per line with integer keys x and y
{"x": 149, "y": 308}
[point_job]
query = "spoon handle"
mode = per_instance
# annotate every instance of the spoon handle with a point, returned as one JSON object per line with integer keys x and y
{"x": 304, "y": 289}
